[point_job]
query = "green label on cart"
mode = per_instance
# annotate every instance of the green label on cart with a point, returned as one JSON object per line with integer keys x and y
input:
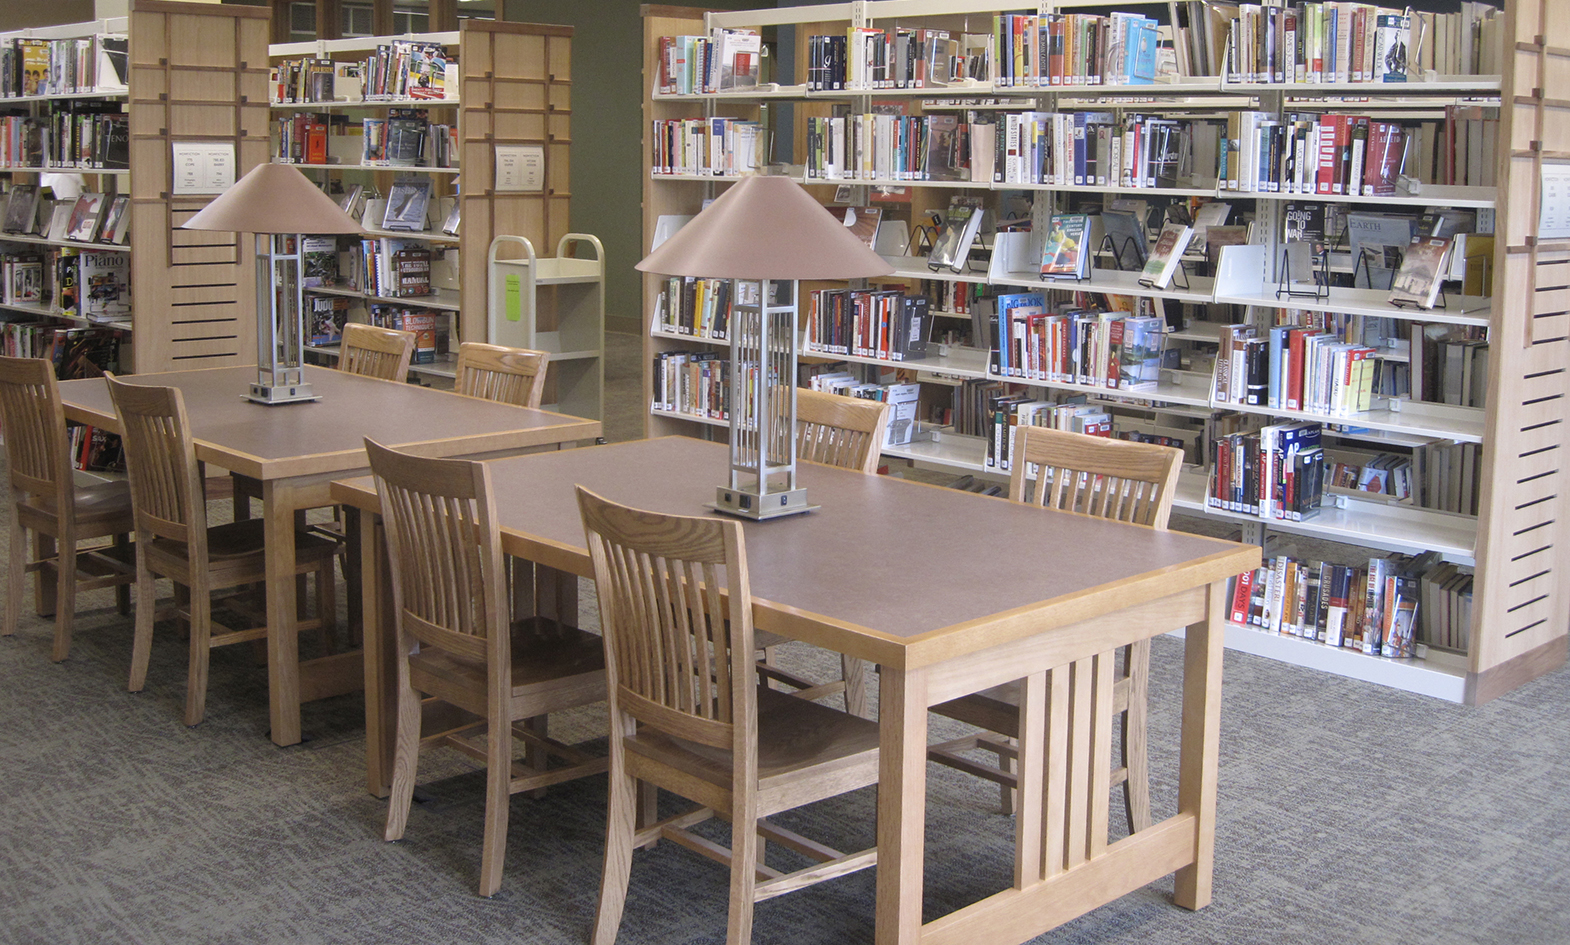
{"x": 512, "y": 302}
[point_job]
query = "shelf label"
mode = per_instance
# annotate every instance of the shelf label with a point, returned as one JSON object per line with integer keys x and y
{"x": 520, "y": 168}
{"x": 1553, "y": 219}
{"x": 202, "y": 167}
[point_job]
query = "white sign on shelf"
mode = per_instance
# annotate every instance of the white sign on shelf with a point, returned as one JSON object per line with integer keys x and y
{"x": 203, "y": 167}
{"x": 1553, "y": 218}
{"x": 520, "y": 167}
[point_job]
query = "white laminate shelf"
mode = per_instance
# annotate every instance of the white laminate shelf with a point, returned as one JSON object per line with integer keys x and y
{"x": 442, "y": 300}
{"x": 395, "y": 168}
{"x": 1440, "y": 674}
{"x": 678, "y": 415}
{"x": 1436, "y": 421}
{"x": 1431, "y": 195}
{"x": 31, "y": 169}
{"x": 385, "y": 103}
{"x": 429, "y": 236}
{"x": 1389, "y": 526}
{"x": 109, "y": 94}
{"x": 72, "y": 244}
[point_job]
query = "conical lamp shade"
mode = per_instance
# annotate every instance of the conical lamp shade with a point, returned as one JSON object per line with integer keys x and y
{"x": 273, "y": 198}
{"x": 765, "y": 228}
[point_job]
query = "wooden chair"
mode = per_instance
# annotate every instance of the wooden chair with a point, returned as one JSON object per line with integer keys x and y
{"x": 1116, "y": 479}
{"x": 688, "y": 714}
{"x": 455, "y": 643}
{"x": 509, "y": 375}
{"x": 60, "y": 514}
{"x": 375, "y": 352}
{"x": 847, "y": 432}
{"x": 174, "y": 540}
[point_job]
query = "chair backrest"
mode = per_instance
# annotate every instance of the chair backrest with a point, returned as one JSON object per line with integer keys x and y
{"x": 167, "y": 492}
{"x": 1117, "y": 479}
{"x": 840, "y": 431}
{"x": 449, "y": 588}
{"x": 509, "y": 375}
{"x": 375, "y": 352}
{"x": 34, "y": 425}
{"x": 678, "y": 631}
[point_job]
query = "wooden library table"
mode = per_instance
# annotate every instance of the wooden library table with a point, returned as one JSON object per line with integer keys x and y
{"x": 952, "y": 593}
{"x": 296, "y": 450}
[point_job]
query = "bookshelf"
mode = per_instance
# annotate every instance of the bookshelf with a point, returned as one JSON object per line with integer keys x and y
{"x": 510, "y": 87}
{"x": 187, "y": 77}
{"x": 1520, "y": 612}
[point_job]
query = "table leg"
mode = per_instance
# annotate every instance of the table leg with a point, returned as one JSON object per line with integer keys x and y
{"x": 283, "y": 644}
{"x": 380, "y": 670}
{"x": 1201, "y": 730}
{"x": 902, "y": 804}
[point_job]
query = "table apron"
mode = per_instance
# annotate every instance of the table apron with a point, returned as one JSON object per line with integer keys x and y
{"x": 1006, "y": 662}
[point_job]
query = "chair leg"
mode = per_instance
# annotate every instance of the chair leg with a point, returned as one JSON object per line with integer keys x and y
{"x": 534, "y": 756}
{"x": 146, "y": 597}
{"x": 351, "y": 574}
{"x": 201, "y": 654}
{"x": 744, "y": 851}
{"x": 1136, "y": 787}
{"x": 617, "y": 871}
{"x": 326, "y": 606}
{"x": 16, "y": 578}
{"x": 44, "y": 548}
{"x": 855, "y": 675}
{"x": 406, "y": 755}
{"x": 122, "y": 591}
{"x": 65, "y": 596}
{"x": 498, "y": 800}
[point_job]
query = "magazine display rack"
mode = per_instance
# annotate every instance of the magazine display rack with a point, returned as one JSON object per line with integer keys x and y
{"x": 1520, "y": 610}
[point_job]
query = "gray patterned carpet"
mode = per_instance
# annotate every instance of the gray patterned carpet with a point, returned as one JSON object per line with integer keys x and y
{"x": 1348, "y": 814}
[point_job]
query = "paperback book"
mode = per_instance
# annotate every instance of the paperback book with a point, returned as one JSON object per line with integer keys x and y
{"x": 1063, "y": 254}
{"x": 1422, "y": 272}
{"x": 1167, "y": 255}
{"x": 105, "y": 280}
{"x": 406, "y": 203}
{"x": 1130, "y": 248}
{"x": 21, "y": 209}
{"x": 86, "y": 215}
{"x": 951, "y": 248}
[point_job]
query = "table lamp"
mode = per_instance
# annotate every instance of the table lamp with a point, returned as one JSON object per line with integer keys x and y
{"x": 769, "y": 231}
{"x": 278, "y": 204}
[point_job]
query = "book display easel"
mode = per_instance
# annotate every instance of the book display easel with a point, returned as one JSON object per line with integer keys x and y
{"x": 107, "y": 100}
{"x": 500, "y": 93}
{"x": 1516, "y": 626}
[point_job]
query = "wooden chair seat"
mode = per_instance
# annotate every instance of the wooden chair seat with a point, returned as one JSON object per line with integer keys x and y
{"x": 1117, "y": 479}
{"x": 174, "y": 541}
{"x": 547, "y": 657}
{"x": 60, "y": 514}
{"x": 454, "y": 642}
{"x": 797, "y": 740}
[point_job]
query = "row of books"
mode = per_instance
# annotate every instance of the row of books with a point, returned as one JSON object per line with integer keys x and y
{"x": 88, "y": 135}
{"x": 896, "y": 58}
{"x": 1440, "y": 475}
{"x": 1013, "y": 411}
{"x": 1069, "y": 49}
{"x": 1291, "y": 368}
{"x": 953, "y": 297}
{"x": 408, "y": 138}
{"x": 75, "y": 352}
{"x": 393, "y": 268}
{"x": 727, "y": 60}
{"x": 1072, "y": 345}
{"x": 695, "y": 383}
{"x": 1312, "y": 154}
{"x": 31, "y": 66}
{"x": 902, "y": 399}
{"x": 90, "y": 218}
{"x": 1385, "y": 474}
{"x": 403, "y": 69}
{"x": 1373, "y": 610}
{"x": 431, "y": 339}
{"x": 1274, "y": 473}
{"x": 720, "y": 146}
{"x": 1360, "y": 42}
{"x": 885, "y": 324}
{"x": 69, "y": 283}
{"x": 694, "y": 306}
{"x": 94, "y": 449}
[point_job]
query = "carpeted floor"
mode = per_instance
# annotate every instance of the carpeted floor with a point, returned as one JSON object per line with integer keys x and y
{"x": 1348, "y": 814}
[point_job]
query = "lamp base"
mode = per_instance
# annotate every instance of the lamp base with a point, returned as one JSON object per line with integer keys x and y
{"x": 283, "y": 394}
{"x": 757, "y": 507}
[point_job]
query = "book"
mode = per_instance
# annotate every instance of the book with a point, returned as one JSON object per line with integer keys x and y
{"x": 1422, "y": 272}
{"x": 1063, "y": 253}
{"x": 327, "y": 316}
{"x": 1167, "y": 255}
{"x": 86, "y": 215}
{"x": 117, "y": 221}
{"x": 22, "y": 208}
{"x": 951, "y": 248}
{"x": 318, "y": 261}
{"x": 105, "y": 280}
{"x": 1130, "y": 247}
{"x": 406, "y": 203}
{"x": 862, "y": 221}
{"x": 450, "y": 225}
{"x": 351, "y": 199}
